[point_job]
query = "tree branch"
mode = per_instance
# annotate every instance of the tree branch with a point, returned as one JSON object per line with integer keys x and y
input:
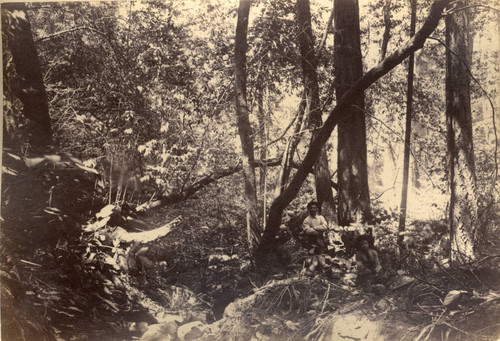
{"x": 348, "y": 99}
{"x": 53, "y": 35}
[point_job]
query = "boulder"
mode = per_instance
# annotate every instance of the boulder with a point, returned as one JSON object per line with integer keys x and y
{"x": 160, "y": 332}
{"x": 190, "y": 331}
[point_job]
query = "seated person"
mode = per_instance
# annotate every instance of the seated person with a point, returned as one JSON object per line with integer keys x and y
{"x": 314, "y": 226}
{"x": 368, "y": 266}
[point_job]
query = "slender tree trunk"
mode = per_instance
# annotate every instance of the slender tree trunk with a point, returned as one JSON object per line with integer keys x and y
{"x": 244, "y": 127}
{"x": 310, "y": 79}
{"x": 463, "y": 197}
{"x": 291, "y": 147}
{"x": 353, "y": 195}
{"x": 29, "y": 87}
{"x": 261, "y": 116}
{"x": 409, "y": 109}
{"x": 387, "y": 29}
{"x": 340, "y": 112}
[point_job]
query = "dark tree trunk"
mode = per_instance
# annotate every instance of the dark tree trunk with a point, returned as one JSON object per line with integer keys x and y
{"x": 340, "y": 112}
{"x": 353, "y": 195}
{"x": 261, "y": 116}
{"x": 463, "y": 196}
{"x": 409, "y": 105}
{"x": 28, "y": 87}
{"x": 310, "y": 79}
{"x": 387, "y": 29}
{"x": 244, "y": 128}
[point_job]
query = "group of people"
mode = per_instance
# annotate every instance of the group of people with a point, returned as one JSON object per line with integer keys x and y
{"x": 315, "y": 227}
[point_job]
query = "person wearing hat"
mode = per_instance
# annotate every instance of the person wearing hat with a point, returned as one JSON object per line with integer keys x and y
{"x": 314, "y": 226}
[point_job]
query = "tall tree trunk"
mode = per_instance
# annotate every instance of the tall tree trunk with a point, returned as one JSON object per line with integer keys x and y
{"x": 353, "y": 195}
{"x": 29, "y": 87}
{"x": 409, "y": 105}
{"x": 340, "y": 112}
{"x": 244, "y": 127}
{"x": 387, "y": 29}
{"x": 310, "y": 79}
{"x": 463, "y": 197}
{"x": 261, "y": 116}
{"x": 291, "y": 147}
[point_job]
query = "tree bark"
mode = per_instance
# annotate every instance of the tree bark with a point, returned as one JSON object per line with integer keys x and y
{"x": 409, "y": 109}
{"x": 339, "y": 112}
{"x": 309, "y": 64}
{"x": 463, "y": 197}
{"x": 387, "y": 28}
{"x": 353, "y": 195}
{"x": 29, "y": 87}
{"x": 244, "y": 128}
{"x": 261, "y": 117}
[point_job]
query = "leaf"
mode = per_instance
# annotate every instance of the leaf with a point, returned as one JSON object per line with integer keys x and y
{"x": 97, "y": 225}
{"x": 52, "y": 210}
{"x": 15, "y": 157}
{"x": 75, "y": 160}
{"x": 453, "y": 297}
{"x": 106, "y": 211}
{"x": 141, "y": 250}
{"x": 107, "y": 259}
{"x": 145, "y": 261}
{"x": 33, "y": 162}
{"x": 88, "y": 169}
{"x": 53, "y": 158}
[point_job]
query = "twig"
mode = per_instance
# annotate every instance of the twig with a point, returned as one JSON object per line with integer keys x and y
{"x": 480, "y": 260}
{"x": 459, "y": 330}
{"x": 411, "y": 150}
{"x": 472, "y": 6}
{"x": 325, "y": 299}
{"x": 30, "y": 263}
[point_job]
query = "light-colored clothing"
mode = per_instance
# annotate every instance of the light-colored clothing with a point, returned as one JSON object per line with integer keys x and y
{"x": 314, "y": 225}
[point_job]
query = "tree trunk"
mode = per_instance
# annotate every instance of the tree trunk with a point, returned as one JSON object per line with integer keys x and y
{"x": 340, "y": 112}
{"x": 244, "y": 127}
{"x": 463, "y": 196}
{"x": 409, "y": 104}
{"x": 261, "y": 116}
{"x": 291, "y": 147}
{"x": 29, "y": 87}
{"x": 387, "y": 29}
{"x": 353, "y": 195}
{"x": 310, "y": 79}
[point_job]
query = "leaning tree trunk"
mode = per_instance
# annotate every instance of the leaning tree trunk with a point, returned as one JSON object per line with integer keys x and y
{"x": 463, "y": 197}
{"x": 353, "y": 195}
{"x": 244, "y": 127}
{"x": 28, "y": 86}
{"x": 310, "y": 79}
{"x": 339, "y": 112}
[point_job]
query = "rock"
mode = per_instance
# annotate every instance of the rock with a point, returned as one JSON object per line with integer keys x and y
{"x": 190, "y": 331}
{"x": 353, "y": 327}
{"x": 164, "y": 318}
{"x": 160, "y": 332}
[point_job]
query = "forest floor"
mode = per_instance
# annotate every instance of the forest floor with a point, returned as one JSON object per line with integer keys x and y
{"x": 198, "y": 281}
{"x": 216, "y": 295}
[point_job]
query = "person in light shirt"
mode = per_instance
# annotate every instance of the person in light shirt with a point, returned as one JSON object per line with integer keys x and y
{"x": 314, "y": 226}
